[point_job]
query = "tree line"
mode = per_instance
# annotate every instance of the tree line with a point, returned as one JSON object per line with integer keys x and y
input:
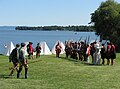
{"x": 60, "y": 28}
{"x": 106, "y": 21}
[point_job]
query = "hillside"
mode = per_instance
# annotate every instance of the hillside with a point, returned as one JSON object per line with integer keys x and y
{"x": 49, "y": 72}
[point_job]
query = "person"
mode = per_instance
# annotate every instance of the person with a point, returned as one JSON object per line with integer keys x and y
{"x": 38, "y": 50}
{"x": 30, "y": 50}
{"x": 22, "y": 61}
{"x": 113, "y": 53}
{"x": 103, "y": 53}
{"x": 14, "y": 59}
{"x": 97, "y": 55}
{"x": 84, "y": 52}
{"x": 74, "y": 50}
{"x": 92, "y": 50}
{"x": 88, "y": 54}
{"x": 68, "y": 49}
{"x": 81, "y": 51}
{"x": 108, "y": 53}
{"x": 58, "y": 49}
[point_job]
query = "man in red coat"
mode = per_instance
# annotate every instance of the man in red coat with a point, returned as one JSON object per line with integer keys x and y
{"x": 30, "y": 50}
{"x": 58, "y": 49}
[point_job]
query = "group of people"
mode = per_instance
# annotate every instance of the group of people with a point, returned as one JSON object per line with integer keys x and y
{"x": 83, "y": 51}
{"x": 109, "y": 53}
{"x": 30, "y": 50}
{"x": 19, "y": 59}
{"x": 76, "y": 50}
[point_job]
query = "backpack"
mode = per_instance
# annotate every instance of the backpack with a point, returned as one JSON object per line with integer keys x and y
{"x": 28, "y": 48}
{"x": 38, "y": 48}
{"x": 13, "y": 56}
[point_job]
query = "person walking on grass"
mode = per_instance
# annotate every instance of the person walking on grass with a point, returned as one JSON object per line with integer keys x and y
{"x": 30, "y": 50}
{"x": 22, "y": 61}
{"x": 38, "y": 50}
{"x": 14, "y": 56}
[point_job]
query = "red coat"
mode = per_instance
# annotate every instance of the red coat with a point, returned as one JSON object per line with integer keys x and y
{"x": 58, "y": 49}
{"x": 31, "y": 48}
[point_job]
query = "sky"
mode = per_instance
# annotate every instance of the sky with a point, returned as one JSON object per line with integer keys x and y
{"x": 47, "y": 12}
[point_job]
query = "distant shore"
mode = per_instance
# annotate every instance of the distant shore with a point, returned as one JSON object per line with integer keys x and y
{"x": 57, "y": 28}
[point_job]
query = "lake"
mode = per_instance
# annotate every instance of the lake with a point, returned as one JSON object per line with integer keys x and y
{"x": 50, "y": 37}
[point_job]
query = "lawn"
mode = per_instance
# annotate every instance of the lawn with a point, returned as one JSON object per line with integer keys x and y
{"x": 49, "y": 72}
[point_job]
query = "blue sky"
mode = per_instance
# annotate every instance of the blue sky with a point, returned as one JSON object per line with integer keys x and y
{"x": 47, "y": 12}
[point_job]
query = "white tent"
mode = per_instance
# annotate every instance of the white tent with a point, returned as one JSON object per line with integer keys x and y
{"x": 62, "y": 50}
{"x": 26, "y": 43}
{"x": 45, "y": 49}
{"x": 8, "y": 48}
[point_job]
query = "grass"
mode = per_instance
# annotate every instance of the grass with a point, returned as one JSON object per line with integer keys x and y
{"x": 49, "y": 72}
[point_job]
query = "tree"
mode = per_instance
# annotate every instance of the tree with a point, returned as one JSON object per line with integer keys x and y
{"x": 106, "y": 21}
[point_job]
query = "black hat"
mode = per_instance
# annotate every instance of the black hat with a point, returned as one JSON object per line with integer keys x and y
{"x": 22, "y": 44}
{"x": 30, "y": 43}
{"x": 17, "y": 45}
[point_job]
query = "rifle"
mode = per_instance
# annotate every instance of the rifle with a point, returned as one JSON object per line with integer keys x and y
{"x": 96, "y": 38}
{"x": 105, "y": 42}
{"x": 88, "y": 39}
{"x": 85, "y": 39}
{"x": 80, "y": 38}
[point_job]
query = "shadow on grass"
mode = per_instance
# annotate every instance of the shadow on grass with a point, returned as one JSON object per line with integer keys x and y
{"x": 34, "y": 61}
{"x": 78, "y": 62}
{"x": 9, "y": 77}
{"x": 4, "y": 76}
{"x": 69, "y": 59}
{"x": 90, "y": 64}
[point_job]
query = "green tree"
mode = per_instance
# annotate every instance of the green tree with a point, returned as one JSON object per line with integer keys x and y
{"x": 106, "y": 21}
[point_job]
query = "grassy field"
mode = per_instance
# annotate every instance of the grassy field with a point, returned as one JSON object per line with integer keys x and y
{"x": 49, "y": 72}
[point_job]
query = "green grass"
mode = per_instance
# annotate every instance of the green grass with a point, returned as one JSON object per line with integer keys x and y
{"x": 49, "y": 72}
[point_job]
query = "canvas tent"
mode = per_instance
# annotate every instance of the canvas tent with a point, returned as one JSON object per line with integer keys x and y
{"x": 26, "y": 43}
{"x": 45, "y": 49}
{"x": 8, "y": 48}
{"x": 63, "y": 48}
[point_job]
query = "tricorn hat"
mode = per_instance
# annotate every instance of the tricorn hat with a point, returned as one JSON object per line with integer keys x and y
{"x": 22, "y": 44}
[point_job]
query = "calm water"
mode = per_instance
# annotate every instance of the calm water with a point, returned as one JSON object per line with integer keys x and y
{"x": 50, "y": 37}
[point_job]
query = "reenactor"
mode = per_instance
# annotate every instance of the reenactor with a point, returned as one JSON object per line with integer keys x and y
{"x": 22, "y": 61}
{"x": 108, "y": 53}
{"x": 58, "y": 48}
{"x": 103, "y": 53}
{"x": 38, "y": 50}
{"x": 113, "y": 53}
{"x": 14, "y": 56}
{"x": 68, "y": 49}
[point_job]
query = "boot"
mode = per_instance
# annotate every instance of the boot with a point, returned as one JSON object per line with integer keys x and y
{"x": 26, "y": 75}
{"x": 18, "y": 73}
